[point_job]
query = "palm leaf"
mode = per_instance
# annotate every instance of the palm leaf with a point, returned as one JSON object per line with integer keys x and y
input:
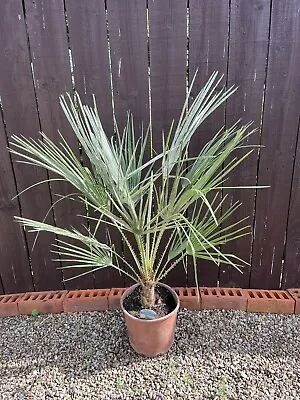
{"x": 162, "y": 199}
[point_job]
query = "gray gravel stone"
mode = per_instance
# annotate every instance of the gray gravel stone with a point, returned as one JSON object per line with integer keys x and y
{"x": 217, "y": 355}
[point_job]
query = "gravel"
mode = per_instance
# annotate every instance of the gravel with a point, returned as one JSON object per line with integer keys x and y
{"x": 217, "y": 355}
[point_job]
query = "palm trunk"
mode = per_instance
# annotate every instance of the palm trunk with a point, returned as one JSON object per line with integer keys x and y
{"x": 148, "y": 294}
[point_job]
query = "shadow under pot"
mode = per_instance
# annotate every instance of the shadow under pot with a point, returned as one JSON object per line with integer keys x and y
{"x": 150, "y": 337}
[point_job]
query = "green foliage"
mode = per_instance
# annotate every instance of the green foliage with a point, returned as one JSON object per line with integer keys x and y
{"x": 222, "y": 391}
{"x": 169, "y": 197}
{"x": 187, "y": 380}
{"x": 172, "y": 368}
{"x": 138, "y": 390}
{"x": 119, "y": 384}
{"x": 34, "y": 312}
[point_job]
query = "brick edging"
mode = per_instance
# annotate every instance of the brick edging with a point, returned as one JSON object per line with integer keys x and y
{"x": 251, "y": 300}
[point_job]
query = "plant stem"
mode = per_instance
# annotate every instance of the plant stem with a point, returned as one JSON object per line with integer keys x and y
{"x": 148, "y": 294}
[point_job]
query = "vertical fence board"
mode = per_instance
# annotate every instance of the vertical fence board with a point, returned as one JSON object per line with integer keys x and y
{"x": 20, "y": 115}
{"x": 15, "y": 268}
{"x": 168, "y": 45}
{"x": 168, "y": 41}
{"x": 280, "y": 126}
{"x": 291, "y": 271}
{"x": 208, "y": 48}
{"x": 50, "y": 58}
{"x": 129, "y": 63}
{"x": 248, "y": 49}
{"x": 129, "y": 60}
{"x": 88, "y": 42}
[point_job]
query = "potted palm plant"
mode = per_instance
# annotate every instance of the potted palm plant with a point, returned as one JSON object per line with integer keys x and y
{"x": 166, "y": 207}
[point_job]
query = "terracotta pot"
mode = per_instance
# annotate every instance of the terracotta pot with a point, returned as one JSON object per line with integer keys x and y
{"x": 151, "y": 337}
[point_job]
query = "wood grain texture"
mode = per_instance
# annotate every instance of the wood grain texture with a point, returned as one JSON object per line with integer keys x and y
{"x": 15, "y": 268}
{"x": 259, "y": 66}
{"x": 89, "y": 46}
{"x": 248, "y": 50}
{"x": 88, "y": 42}
{"x": 50, "y": 59}
{"x": 208, "y": 51}
{"x": 168, "y": 46}
{"x": 168, "y": 43}
{"x": 279, "y": 134}
{"x": 291, "y": 270}
{"x": 129, "y": 60}
{"x": 21, "y": 117}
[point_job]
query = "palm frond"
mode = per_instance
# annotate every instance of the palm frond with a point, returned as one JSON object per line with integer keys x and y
{"x": 166, "y": 198}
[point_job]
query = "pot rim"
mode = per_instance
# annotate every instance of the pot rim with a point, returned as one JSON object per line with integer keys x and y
{"x": 147, "y": 321}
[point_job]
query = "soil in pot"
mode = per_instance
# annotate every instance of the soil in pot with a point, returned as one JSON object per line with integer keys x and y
{"x": 164, "y": 302}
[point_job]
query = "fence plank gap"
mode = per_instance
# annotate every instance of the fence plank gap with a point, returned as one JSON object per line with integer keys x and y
{"x": 1, "y": 286}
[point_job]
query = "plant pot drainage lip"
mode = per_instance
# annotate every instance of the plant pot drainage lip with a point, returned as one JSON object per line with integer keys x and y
{"x": 131, "y": 288}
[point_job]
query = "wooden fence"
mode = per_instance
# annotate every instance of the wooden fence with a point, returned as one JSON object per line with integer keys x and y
{"x": 141, "y": 55}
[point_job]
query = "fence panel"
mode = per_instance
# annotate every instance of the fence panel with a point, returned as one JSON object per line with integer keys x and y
{"x": 141, "y": 56}
{"x": 208, "y": 51}
{"x": 291, "y": 270}
{"x": 20, "y": 116}
{"x": 279, "y": 136}
{"x": 89, "y": 49}
{"x": 248, "y": 51}
{"x": 50, "y": 60}
{"x": 15, "y": 266}
{"x": 129, "y": 60}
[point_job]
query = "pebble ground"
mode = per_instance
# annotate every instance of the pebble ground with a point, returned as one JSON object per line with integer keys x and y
{"x": 217, "y": 355}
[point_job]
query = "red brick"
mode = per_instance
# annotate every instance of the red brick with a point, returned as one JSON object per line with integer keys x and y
{"x": 43, "y": 302}
{"x": 114, "y": 298}
{"x": 295, "y": 293}
{"x": 270, "y": 301}
{"x": 9, "y": 304}
{"x": 188, "y": 298}
{"x": 223, "y": 299}
{"x": 86, "y": 300}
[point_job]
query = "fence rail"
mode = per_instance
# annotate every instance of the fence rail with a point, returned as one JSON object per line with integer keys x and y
{"x": 141, "y": 55}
